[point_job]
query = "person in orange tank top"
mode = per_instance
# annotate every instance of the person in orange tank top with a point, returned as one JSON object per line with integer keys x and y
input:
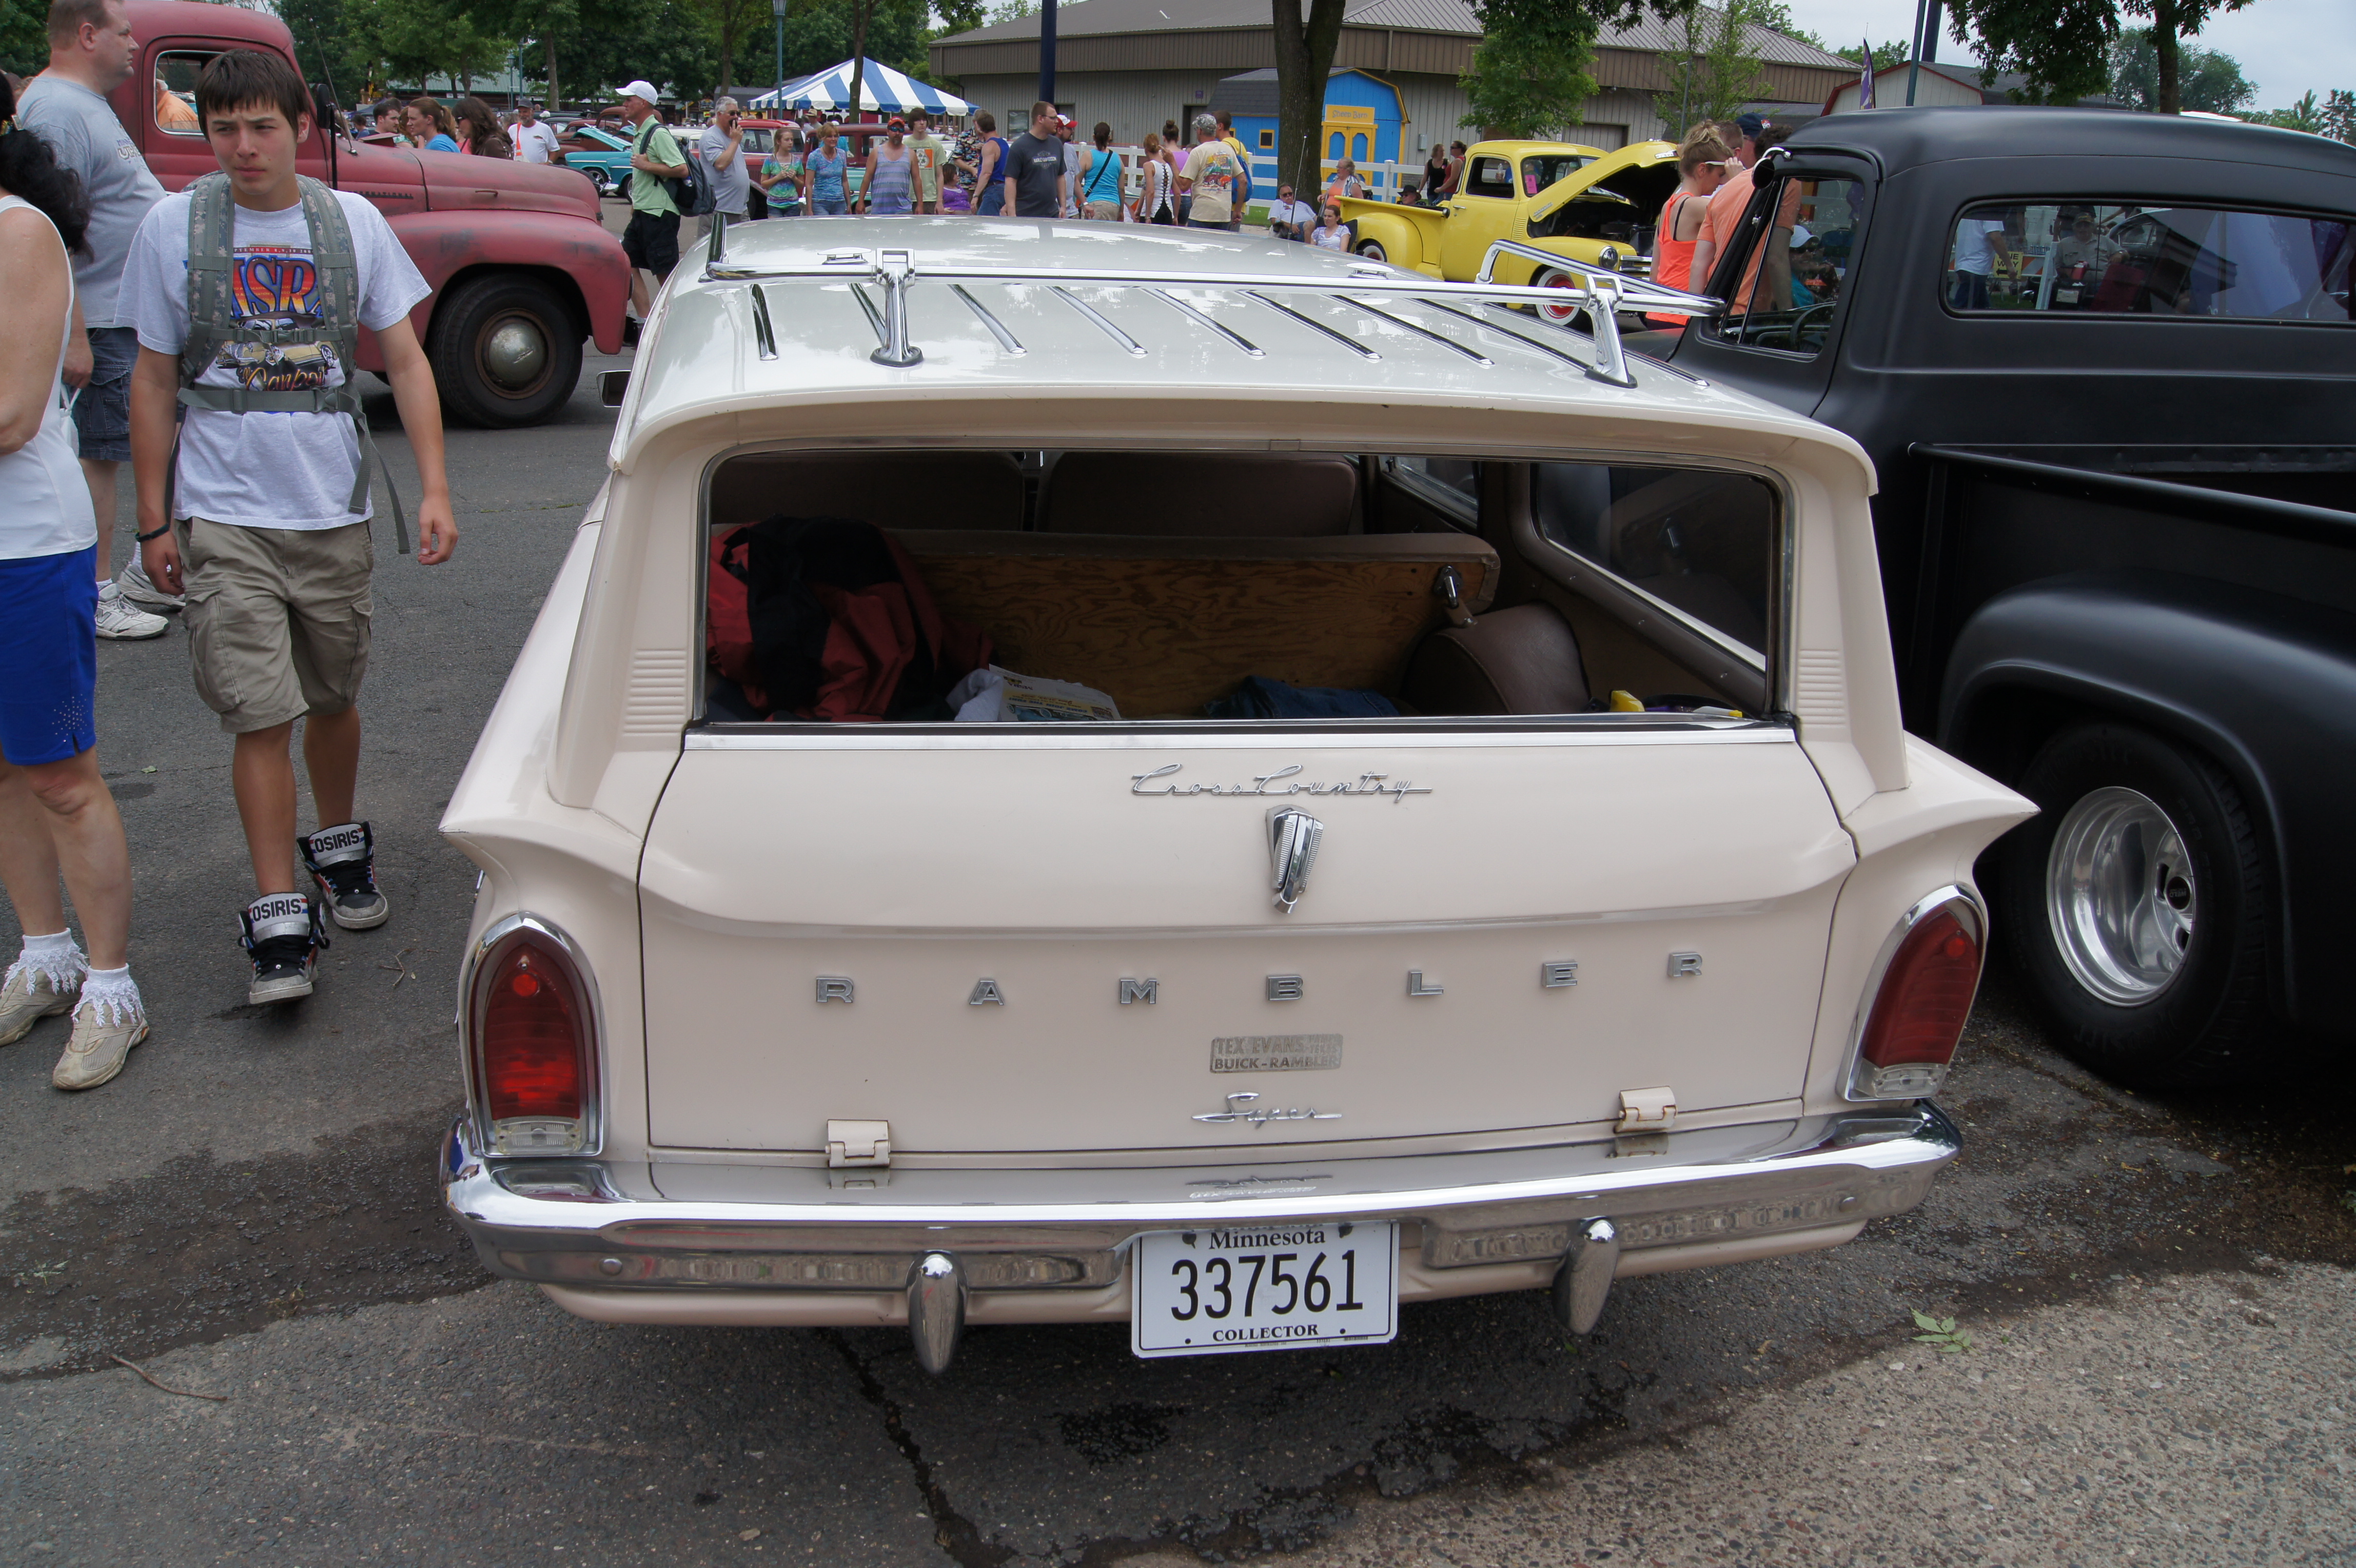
{"x": 1703, "y": 159}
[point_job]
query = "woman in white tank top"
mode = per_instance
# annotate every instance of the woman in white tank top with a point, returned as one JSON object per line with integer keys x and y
{"x": 57, "y": 818}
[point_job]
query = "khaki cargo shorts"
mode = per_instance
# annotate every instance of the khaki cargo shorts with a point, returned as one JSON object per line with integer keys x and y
{"x": 278, "y": 619}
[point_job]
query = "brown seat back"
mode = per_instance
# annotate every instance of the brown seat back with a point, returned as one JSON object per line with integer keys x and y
{"x": 889, "y": 489}
{"x": 1521, "y": 661}
{"x": 1201, "y": 495}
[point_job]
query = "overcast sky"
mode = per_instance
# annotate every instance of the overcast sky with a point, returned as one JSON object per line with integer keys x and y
{"x": 2286, "y": 47}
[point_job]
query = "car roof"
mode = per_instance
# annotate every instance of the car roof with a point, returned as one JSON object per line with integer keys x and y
{"x": 723, "y": 348}
{"x": 1906, "y": 138}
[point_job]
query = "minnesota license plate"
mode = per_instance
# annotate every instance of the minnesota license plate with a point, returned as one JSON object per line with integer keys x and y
{"x": 1272, "y": 1287}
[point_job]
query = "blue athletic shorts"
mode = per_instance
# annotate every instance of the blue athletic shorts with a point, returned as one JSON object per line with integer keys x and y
{"x": 49, "y": 646}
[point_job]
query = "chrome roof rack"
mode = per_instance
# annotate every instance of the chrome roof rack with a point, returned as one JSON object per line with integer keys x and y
{"x": 1594, "y": 288}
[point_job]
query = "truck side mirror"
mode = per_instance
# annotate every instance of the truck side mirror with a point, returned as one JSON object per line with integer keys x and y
{"x": 323, "y": 105}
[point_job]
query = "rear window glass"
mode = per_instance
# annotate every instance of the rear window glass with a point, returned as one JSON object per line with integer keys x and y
{"x": 2115, "y": 258}
{"x": 974, "y": 585}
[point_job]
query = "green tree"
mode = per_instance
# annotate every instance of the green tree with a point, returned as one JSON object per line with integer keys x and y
{"x": 959, "y": 16}
{"x": 1894, "y": 52}
{"x": 24, "y": 36}
{"x": 730, "y": 21}
{"x": 1530, "y": 75}
{"x": 2063, "y": 47}
{"x": 1715, "y": 71}
{"x": 2206, "y": 79}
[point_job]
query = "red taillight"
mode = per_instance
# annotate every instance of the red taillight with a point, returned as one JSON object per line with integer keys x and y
{"x": 1919, "y": 1012}
{"x": 535, "y": 1050}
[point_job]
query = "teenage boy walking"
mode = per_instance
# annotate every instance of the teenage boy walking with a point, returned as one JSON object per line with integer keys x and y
{"x": 248, "y": 294}
{"x": 92, "y": 51}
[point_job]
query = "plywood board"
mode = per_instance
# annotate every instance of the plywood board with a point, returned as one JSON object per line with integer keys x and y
{"x": 1164, "y": 626}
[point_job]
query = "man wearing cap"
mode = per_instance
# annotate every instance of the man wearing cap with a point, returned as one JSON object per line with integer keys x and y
{"x": 651, "y": 241}
{"x": 534, "y": 138}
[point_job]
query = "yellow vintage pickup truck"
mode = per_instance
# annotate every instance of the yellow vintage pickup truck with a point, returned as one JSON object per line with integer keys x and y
{"x": 1554, "y": 196}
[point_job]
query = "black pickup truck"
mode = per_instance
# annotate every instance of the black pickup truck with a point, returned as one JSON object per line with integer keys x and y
{"x": 2105, "y": 366}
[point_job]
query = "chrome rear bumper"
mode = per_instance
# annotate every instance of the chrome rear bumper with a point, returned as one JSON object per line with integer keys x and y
{"x": 685, "y": 1226}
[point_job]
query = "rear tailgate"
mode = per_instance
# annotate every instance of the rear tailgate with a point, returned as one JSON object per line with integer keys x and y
{"x": 983, "y": 901}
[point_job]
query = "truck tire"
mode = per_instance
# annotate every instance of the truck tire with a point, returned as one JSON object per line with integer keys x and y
{"x": 505, "y": 352}
{"x": 2135, "y": 905}
{"x": 1373, "y": 251}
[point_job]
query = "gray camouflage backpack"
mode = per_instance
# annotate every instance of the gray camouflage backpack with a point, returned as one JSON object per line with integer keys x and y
{"x": 260, "y": 348}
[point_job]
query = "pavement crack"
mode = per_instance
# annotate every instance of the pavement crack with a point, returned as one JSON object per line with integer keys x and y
{"x": 952, "y": 1532}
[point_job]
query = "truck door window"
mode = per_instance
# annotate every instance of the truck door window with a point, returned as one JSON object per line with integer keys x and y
{"x": 1542, "y": 170}
{"x": 1793, "y": 277}
{"x": 1491, "y": 177}
{"x": 1701, "y": 543}
{"x": 2115, "y": 258}
{"x": 176, "y": 92}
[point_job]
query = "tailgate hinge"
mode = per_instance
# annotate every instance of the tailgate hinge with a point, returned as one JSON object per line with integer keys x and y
{"x": 1647, "y": 1109}
{"x": 858, "y": 1143}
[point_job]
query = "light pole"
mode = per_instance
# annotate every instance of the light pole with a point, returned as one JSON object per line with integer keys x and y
{"x": 778, "y": 8}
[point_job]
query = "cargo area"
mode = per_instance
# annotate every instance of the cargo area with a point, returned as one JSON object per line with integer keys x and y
{"x": 1050, "y": 929}
{"x": 1171, "y": 587}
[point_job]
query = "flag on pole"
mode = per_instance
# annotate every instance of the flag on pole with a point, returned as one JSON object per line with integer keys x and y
{"x": 1865, "y": 79}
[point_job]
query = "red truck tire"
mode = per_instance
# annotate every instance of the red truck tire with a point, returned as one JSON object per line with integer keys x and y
{"x": 506, "y": 351}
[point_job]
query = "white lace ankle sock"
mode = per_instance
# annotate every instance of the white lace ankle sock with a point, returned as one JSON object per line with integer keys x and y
{"x": 54, "y": 958}
{"x": 114, "y": 993}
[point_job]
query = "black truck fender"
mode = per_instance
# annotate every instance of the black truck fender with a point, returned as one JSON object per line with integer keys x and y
{"x": 2262, "y": 685}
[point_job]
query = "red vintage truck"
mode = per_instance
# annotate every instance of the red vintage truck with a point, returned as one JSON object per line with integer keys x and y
{"x": 522, "y": 270}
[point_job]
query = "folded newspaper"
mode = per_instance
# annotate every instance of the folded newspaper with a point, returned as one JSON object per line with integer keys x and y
{"x": 995, "y": 695}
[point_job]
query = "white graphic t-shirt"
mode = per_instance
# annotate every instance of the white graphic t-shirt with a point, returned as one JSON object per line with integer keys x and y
{"x": 266, "y": 470}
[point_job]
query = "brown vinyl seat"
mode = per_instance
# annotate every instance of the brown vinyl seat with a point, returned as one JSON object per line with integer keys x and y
{"x": 1201, "y": 495}
{"x": 1521, "y": 661}
{"x": 889, "y": 489}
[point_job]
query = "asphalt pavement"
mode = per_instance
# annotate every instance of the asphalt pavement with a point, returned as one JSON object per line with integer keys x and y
{"x": 2155, "y": 1291}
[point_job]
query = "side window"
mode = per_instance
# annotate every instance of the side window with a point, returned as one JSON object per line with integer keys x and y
{"x": 1491, "y": 177}
{"x": 1701, "y": 543}
{"x": 176, "y": 92}
{"x": 1793, "y": 276}
{"x": 2116, "y": 258}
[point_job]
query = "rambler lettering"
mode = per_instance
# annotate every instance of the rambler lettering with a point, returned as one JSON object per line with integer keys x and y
{"x": 1280, "y": 782}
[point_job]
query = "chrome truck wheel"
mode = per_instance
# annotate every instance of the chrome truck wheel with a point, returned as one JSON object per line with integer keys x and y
{"x": 2135, "y": 907}
{"x": 2120, "y": 895}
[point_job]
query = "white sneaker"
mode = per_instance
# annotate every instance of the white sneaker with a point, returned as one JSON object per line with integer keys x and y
{"x": 29, "y": 996}
{"x": 124, "y": 622}
{"x": 103, "y": 1037}
{"x": 141, "y": 589}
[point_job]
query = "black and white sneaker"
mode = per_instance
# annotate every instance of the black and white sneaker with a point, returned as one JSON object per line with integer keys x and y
{"x": 342, "y": 861}
{"x": 283, "y": 933}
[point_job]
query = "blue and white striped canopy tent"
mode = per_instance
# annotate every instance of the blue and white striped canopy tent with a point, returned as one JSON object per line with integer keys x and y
{"x": 881, "y": 90}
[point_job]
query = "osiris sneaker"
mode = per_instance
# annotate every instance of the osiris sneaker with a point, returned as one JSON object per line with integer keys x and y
{"x": 284, "y": 933}
{"x": 342, "y": 861}
{"x": 29, "y": 996}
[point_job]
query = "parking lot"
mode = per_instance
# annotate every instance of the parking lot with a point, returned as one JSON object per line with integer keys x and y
{"x": 2155, "y": 1291}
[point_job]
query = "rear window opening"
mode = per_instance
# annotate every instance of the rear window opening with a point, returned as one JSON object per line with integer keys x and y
{"x": 944, "y": 587}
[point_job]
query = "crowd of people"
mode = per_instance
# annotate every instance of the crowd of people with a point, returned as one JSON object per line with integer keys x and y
{"x": 207, "y": 338}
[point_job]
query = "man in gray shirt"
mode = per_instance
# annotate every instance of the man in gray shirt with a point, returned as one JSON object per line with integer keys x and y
{"x": 722, "y": 148}
{"x": 93, "y": 53}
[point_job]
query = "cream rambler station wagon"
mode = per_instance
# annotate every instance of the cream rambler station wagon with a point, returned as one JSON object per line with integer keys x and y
{"x": 1078, "y": 773}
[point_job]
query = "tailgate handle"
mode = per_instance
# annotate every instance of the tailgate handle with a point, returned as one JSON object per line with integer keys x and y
{"x": 1293, "y": 836}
